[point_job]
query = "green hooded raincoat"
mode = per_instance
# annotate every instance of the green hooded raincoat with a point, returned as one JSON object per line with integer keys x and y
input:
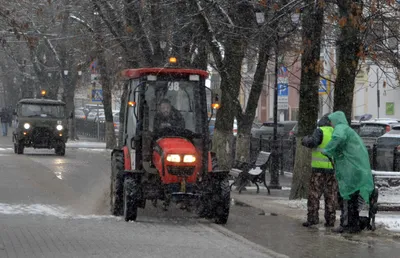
{"x": 351, "y": 159}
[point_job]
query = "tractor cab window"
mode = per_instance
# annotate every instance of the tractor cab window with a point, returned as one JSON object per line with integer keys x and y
{"x": 40, "y": 110}
{"x": 172, "y": 104}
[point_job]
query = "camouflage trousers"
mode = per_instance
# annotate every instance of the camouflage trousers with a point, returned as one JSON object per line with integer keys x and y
{"x": 322, "y": 183}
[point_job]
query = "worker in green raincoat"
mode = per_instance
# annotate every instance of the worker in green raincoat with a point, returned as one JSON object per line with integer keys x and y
{"x": 353, "y": 170}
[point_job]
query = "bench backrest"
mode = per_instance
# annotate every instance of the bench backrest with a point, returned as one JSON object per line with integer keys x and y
{"x": 262, "y": 158}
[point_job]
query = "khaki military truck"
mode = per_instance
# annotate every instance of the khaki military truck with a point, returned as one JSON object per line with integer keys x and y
{"x": 41, "y": 124}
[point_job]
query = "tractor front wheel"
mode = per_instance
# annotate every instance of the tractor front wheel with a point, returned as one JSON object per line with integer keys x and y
{"x": 221, "y": 200}
{"x": 131, "y": 198}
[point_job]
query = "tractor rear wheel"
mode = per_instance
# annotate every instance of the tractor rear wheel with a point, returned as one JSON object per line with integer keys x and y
{"x": 117, "y": 184}
{"x": 131, "y": 198}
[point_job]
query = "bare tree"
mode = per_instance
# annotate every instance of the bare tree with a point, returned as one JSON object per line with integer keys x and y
{"x": 312, "y": 24}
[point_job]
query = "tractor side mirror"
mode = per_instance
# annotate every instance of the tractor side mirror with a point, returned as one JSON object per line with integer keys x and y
{"x": 132, "y": 142}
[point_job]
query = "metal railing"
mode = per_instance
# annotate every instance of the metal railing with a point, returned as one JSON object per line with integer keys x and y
{"x": 91, "y": 129}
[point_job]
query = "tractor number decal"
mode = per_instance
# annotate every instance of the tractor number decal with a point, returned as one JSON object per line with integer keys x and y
{"x": 173, "y": 86}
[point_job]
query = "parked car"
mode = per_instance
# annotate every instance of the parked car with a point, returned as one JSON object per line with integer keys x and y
{"x": 266, "y": 131}
{"x": 369, "y": 131}
{"x": 385, "y": 146}
{"x": 211, "y": 126}
{"x": 79, "y": 114}
{"x": 92, "y": 115}
{"x": 356, "y": 126}
{"x": 292, "y": 133}
{"x": 92, "y": 107}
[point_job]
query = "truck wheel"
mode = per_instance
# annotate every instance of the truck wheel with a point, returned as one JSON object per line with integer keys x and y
{"x": 222, "y": 201}
{"x": 117, "y": 184}
{"x": 131, "y": 197}
{"x": 19, "y": 148}
{"x": 60, "y": 149}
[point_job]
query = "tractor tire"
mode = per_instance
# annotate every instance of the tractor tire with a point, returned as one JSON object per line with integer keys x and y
{"x": 60, "y": 149}
{"x": 131, "y": 198}
{"x": 222, "y": 196}
{"x": 117, "y": 184}
{"x": 222, "y": 201}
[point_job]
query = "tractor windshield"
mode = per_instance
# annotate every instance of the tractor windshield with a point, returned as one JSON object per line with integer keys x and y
{"x": 173, "y": 104}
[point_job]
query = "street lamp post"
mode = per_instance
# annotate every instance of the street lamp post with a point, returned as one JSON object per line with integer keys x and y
{"x": 274, "y": 182}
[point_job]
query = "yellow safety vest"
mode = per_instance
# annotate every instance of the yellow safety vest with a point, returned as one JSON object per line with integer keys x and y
{"x": 318, "y": 159}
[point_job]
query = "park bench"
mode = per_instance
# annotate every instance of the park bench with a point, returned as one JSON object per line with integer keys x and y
{"x": 373, "y": 199}
{"x": 241, "y": 172}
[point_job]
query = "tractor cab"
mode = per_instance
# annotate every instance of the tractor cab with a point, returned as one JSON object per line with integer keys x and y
{"x": 165, "y": 153}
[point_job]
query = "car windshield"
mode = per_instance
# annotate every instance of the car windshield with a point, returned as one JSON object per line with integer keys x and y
{"x": 173, "y": 104}
{"x": 42, "y": 110}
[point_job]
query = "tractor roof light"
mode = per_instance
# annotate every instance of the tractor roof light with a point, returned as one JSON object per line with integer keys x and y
{"x": 215, "y": 105}
{"x": 43, "y": 93}
{"x": 173, "y": 60}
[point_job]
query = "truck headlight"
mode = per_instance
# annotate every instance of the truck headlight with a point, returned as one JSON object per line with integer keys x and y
{"x": 59, "y": 127}
{"x": 189, "y": 158}
{"x": 173, "y": 158}
{"x": 27, "y": 126}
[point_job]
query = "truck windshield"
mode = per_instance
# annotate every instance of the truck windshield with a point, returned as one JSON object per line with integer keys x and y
{"x": 41, "y": 110}
{"x": 173, "y": 103}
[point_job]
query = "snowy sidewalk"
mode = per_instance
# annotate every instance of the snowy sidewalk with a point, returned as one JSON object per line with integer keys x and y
{"x": 278, "y": 203}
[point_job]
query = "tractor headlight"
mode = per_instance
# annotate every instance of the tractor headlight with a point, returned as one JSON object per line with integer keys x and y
{"x": 189, "y": 158}
{"x": 59, "y": 127}
{"x": 173, "y": 158}
{"x": 27, "y": 126}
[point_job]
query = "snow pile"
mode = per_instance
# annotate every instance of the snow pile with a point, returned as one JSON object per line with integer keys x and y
{"x": 45, "y": 210}
{"x": 390, "y": 222}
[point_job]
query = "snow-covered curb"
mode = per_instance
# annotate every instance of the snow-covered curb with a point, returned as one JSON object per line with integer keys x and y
{"x": 79, "y": 144}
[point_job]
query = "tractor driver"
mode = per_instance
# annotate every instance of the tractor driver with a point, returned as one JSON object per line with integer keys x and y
{"x": 168, "y": 116}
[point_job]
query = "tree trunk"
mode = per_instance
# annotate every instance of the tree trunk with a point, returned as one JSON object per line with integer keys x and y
{"x": 312, "y": 22}
{"x": 230, "y": 85}
{"x": 349, "y": 43}
{"x": 245, "y": 121}
{"x": 301, "y": 177}
{"x": 68, "y": 97}
{"x": 105, "y": 85}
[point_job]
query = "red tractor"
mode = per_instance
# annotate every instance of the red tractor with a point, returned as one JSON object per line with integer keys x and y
{"x": 166, "y": 146}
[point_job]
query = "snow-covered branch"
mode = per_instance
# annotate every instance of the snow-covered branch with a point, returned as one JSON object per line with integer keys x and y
{"x": 221, "y": 11}
{"x": 81, "y": 22}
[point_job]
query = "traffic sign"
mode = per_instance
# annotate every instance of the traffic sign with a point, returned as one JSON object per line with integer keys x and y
{"x": 97, "y": 95}
{"x": 283, "y": 89}
{"x": 323, "y": 87}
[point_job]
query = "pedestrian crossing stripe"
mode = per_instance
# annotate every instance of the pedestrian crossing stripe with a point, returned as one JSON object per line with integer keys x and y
{"x": 1, "y": 149}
